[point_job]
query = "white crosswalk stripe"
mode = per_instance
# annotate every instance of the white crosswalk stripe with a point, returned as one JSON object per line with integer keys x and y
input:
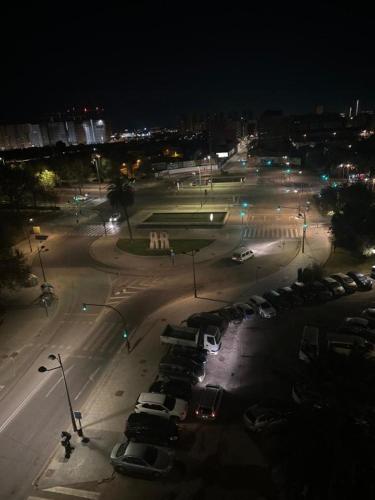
{"x": 271, "y": 233}
{"x": 128, "y": 287}
{"x": 94, "y": 229}
{"x": 63, "y": 490}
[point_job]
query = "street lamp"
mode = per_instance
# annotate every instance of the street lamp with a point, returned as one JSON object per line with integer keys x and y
{"x": 125, "y": 332}
{"x": 28, "y": 232}
{"x": 43, "y": 369}
{"x": 192, "y": 254}
{"x": 97, "y": 158}
{"x": 41, "y": 249}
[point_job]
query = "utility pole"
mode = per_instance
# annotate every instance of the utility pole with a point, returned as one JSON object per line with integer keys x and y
{"x": 192, "y": 254}
{"x": 304, "y": 231}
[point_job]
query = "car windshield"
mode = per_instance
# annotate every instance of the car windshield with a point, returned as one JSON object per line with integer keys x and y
{"x": 266, "y": 305}
{"x": 150, "y": 455}
{"x": 237, "y": 255}
{"x": 169, "y": 402}
{"x": 121, "y": 449}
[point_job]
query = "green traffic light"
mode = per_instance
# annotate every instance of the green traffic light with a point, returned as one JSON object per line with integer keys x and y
{"x": 125, "y": 334}
{"x": 84, "y": 307}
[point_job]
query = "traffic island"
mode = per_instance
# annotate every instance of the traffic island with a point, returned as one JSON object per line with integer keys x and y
{"x": 207, "y": 218}
{"x": 141, "y": 246}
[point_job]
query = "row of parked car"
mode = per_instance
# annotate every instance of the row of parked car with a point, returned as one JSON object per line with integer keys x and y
{"x": 152, "y": 429}
{"x": 316, "y": 292}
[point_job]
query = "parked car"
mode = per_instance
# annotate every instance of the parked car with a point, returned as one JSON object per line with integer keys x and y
{"x": 263, "y": 308}
{"x": 372, "y": 272}
{"x": 346, "y": 281}
{"x": 209, "y": 402}
{"x": 205, "y": 319}
{"x": 197, "y": 355}
{"x": 278, "y": 301}
{"x": 334, "y": 286}
{"x": 147, "y": 428}
{"x": 232, "y": 314}
{"x": 344, "y": 343}
{"x": 115, "y": 217}
{"x": 182, "y": 369}
{"x": 267, "y": 416}
{"x": 175, "y": 388}
{"x": 247, "y": 310}
{"x": 303, "y": 291}
{"x": 320, "y": 292}
{"x": 242, "y": 254}
{"x": 363, "y": 282}
{"x": 161, "y": 405}
{"x": 142, "y": 458}
{"x": 369, "y": 314}
{"x": 293, "y": 297}
{"x": 357, "y": 321}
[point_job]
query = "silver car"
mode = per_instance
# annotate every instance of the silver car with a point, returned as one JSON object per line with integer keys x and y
{"x": 142, "y": 458}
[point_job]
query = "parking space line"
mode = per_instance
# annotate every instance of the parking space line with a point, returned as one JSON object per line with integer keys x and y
{"x": 91, "y": 495}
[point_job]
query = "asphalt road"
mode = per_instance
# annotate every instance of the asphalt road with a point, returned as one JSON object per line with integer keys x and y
{"x": 33, "y": 405}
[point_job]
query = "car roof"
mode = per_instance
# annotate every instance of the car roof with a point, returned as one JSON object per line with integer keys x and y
{"x": 151, "y": 397}
{"x": 258, "y": 298}
{"x": 135, "y": 449}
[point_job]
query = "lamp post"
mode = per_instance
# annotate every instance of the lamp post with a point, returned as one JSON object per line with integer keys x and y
{"x": 40, "y": 250}
{"x": 28, "y": 233}
{"x": 43, "y": 369}
{"x": 125, "y": 333}
{"x": 192, "y": 254}
{"x": 97, "y": 158}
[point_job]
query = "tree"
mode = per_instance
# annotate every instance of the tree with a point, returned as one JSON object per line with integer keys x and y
{"x": 121, "y": 194}
{"x": 13, "y": 267}
{"x": 47, "y": 179}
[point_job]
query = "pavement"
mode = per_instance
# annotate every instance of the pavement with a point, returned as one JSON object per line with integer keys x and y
{"x": 105, "y": 413}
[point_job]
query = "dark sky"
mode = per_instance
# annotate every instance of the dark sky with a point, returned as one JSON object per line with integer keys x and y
{"x": 147, "y": 64}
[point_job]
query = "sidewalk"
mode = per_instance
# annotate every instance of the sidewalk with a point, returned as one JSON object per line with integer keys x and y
{"x": 113, "y": 400}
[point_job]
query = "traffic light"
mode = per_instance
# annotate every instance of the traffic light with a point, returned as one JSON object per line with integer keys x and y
{"x": 242, "y": 213}
{"x": 245, "y": 204}
{"x": 278, "y": 208}
{"x": 125, "y": 334}
{"x": 305, "y": 226}
{"x": 84, "y": 307}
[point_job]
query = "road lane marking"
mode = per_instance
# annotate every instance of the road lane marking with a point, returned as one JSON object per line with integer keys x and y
{"x": 91, "y": 379}
{"x": 91, "y": 495}
{"x": 57, "y": 383}
{"x": 21, "y": 405}
{"x": 37, "y": 498}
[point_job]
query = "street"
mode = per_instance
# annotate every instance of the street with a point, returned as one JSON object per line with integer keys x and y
{"x": 34, "y": 409}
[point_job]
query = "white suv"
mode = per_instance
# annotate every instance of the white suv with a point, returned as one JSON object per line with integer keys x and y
{"x": 262, "y": 307}
{"x": 161, "y": 405}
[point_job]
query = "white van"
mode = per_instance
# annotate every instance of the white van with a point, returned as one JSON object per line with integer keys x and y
{"x": 242, "y": 254}
{"x": 309, "y": 346}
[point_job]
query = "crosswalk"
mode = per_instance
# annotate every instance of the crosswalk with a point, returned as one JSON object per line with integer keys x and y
{"x": 94, "y": 229}
{"x": 64, "y": 491}
{"x": 125, "y": 288}
{"x": 271, "y": 232}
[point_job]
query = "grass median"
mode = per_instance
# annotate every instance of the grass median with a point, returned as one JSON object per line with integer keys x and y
{"x": 141, "y": 246}
{"x": 342, "y": 261}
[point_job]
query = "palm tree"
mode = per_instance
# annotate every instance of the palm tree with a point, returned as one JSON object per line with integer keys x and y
{"x": 121, "y": 194}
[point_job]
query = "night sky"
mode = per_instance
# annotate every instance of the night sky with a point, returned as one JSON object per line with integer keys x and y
{"x": 148, "y": 64}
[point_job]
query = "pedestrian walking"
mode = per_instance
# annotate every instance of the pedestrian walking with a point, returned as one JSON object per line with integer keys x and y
{"x": 172, "y": 253}
{"x": 65, "y": 442}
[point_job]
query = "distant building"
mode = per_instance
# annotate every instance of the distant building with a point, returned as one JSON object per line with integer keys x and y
{"x": 83, "y": 126}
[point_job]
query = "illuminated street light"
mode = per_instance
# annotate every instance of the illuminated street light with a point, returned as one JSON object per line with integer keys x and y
{"x": 43, "y": 369}
{"x": 125, "y": 333}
